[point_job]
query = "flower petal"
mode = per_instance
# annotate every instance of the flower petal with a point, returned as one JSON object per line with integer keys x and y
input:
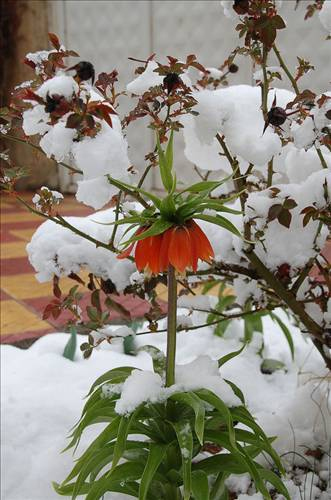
{"x": 142, "y": 254}
{"x": 164, "y": 257}
{"x": 202, "y": 244}
{"x": 154, "y": 253}
{"x": 180, "y": 255}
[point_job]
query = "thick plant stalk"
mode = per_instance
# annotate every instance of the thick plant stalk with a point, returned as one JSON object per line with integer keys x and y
{"x": 171, "y": 328}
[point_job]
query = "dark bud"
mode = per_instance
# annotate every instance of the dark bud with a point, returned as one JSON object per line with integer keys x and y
{"x": 52, "y": 103}
{"x": 277, "y": 116}
{"x": 171, "y": 82}
{"x": 84, "y": 71}
{"x": 107, "y": 286}
{"x": 241, "y": 6}
{"x": 233, "y": 68}
{"x": 156, "y": 105}
{"x": 283, "y": 273}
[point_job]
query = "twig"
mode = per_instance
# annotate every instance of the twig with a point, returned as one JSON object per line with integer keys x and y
{"x": 58, "y": 219}
{"x": 265, "y": 86}
{"x": 37, "y": 148}
{"x": 286, "y": 70}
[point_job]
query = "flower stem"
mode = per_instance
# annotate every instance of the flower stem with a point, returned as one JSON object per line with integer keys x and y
{"x": 171, "y": 329}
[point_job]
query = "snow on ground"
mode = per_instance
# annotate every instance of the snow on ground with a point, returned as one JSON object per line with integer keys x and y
{"x": 42, "y": 399}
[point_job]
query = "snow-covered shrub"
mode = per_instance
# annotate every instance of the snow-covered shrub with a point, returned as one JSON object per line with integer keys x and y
{"x": 256, "y": 219}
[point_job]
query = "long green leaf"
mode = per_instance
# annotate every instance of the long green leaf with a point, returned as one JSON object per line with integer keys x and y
{"x": 158, "y": 227}
{"x": 122, "y": 435}
{"x": 219, "y": 205}
{"x": 219, "y": 490}
{"x": 185, "y": 441}
{"x": 231, "y": 355}
{"x": 165, "y": 168}
{"x": 169, "y": 154}
{"x": 70, "y": 348}
{"x": 220, "y": 221}
{"x": 107, "y": 435}
{"x": 241, "y": 414}
{"x": 273, "y": 479}
{"x": 285, "y": 331}
{"x": 206, "y": 186}
{"x": 158, "y": 358}
{"x": 122, "y": 372}
{"x": 195, "y": 403}
{"x": 200, "y": 486}
{"x": 155, "y": 457}
{"x": 133, "y": 189}
{"x": 121, "y": 479}
{"x": 217, "y": 403}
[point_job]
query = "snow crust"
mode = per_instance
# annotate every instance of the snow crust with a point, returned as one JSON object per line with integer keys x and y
{"x": 56, "y": 250}
{"x": 235, "y": 112}
{"x": 147, "y": 79}
{"x": 99, "y": 156}
{"x": 148, "y": 386}
{"x": 325, "y": 15}
{"x": 61, "y": 85}
{"x": 38, "y": 415}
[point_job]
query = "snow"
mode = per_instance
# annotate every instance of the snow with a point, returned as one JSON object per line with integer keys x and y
{"x": 325, "y": 15}
{"x": 61, "y": 85}
{"x": 37, "y": 415}
{"x": 140, "y": 386}
{"x": 296, "y": 246}
{"x": 146, "y": 80}
{"x": 57, "y": 142}
{"x": 235, "y": 112}
{"x": 35, "y": 120}
{"x": 38, "y": 58}
{"x": 204, "y": 302}
{"x": 97, "y": 156}
{"x": 56, "y": 250}
{"x": 147, "y": 386}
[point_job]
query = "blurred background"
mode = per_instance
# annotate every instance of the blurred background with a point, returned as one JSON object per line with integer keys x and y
{"x": 107, "y": 32}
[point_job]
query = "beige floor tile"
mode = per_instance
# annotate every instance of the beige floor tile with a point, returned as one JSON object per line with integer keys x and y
{"x": 23, "y": 234}
{"x": 13, "y": 249}
{"x": 20, "y": 217}
{"x": 15, "y": 318}
{"x": 25, "y": 286}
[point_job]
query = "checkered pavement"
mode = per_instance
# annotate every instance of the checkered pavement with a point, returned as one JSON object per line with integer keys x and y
{"x": 23, "y": 299}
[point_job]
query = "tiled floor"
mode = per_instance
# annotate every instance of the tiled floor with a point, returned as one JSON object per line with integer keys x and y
{"x": 23, "y": 299}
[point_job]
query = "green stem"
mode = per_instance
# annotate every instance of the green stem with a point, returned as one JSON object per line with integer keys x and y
{"x": 270, "y": 172}
{"x": 112, "y": 239}
{"x": 143, "y": 177}
{"x": 171, "y": 327}
{"x": 321, "y": 157}
{"x": 286, "y": 70}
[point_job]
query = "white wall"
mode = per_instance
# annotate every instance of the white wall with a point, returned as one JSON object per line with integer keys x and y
{"x": 107, "y": 32}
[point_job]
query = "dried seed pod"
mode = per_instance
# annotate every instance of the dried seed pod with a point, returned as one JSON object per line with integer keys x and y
{"x": 52, "y": 103}
{"x": 241, "y": 6}
{"x": 233, "y": 68}
{"x": 84, "y": 71}
{"x": 171, "y": 82}
{"x": 276, "y": 116}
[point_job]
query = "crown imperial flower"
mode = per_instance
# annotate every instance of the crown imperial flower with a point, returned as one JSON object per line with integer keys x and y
{"x": 180, "y": 246}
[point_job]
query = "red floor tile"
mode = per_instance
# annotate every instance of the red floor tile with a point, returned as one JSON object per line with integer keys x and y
{"x": 18, "y": 265}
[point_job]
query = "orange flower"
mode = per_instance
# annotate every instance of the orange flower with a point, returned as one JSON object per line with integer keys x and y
{"x": 180, "y": 246}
